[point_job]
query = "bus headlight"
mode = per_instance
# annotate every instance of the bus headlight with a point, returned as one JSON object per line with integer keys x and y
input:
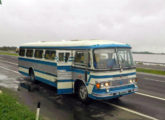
{"x": 133, "y": 80}
{"x": 107, "y": 84}
{"x": 102, "y": 84}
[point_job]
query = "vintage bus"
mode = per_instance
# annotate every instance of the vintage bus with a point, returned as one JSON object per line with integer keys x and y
{"x": 97, "y": 69}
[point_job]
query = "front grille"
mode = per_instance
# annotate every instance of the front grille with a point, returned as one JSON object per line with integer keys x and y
{"x": 119, "y": 82}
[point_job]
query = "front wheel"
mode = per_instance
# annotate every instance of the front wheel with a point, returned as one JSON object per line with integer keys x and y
{"x": 83, "y": 93}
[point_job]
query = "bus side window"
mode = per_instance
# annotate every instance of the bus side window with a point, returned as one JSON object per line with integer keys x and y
{"x": 29, "y": 53}
{"x": 38, "y": 53}
{"x": 80, "y": 58}
{"x": 61, "y": 57}
{"x": 22, "y": 52}
{"x": 50, "y": 55}
{"x": 67, "y": 57}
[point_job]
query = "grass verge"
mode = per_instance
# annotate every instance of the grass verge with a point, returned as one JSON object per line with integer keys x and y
{"x": 11, "y": 109}
{"x": 8, "y": 53}
{"x": 157, "y": 72}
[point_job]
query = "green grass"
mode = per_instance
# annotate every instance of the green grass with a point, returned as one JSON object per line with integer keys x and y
{"x": 11, "y": 109}
{"x": 8, "y": 53}
{"x": 157, "y": 72}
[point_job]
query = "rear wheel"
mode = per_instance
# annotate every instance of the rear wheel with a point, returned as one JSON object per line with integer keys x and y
{"x": 83, "y": 93}
{"x": 32, "y": 76}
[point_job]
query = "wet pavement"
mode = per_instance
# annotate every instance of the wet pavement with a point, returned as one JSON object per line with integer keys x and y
{"x": 68, "y": 107}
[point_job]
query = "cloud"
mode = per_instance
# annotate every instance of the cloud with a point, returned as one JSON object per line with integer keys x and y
{"x": 139, "y": 23}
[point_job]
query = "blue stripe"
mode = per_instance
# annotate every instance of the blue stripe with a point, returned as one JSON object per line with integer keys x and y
{"x": 79, "y": 70}
{"x": 38, "y": 61}
{"x": 107, "y": 98}
{"x": 41, "y": 79}
{"x": 23, "y": 73}
{"x": 67, "y": 68}
{"x": 46, "y": 81}
{"x": 39, "y": 71}
{"x": 65, "y": 91}
{"x": 45, "y": 73}
{"x": 70, "y": 80}
{"x": 81, "y": 47}
{"x": 111, "y": 76}
{"x": 103, "y": 91}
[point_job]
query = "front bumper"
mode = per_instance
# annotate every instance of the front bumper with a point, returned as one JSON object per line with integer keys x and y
{"x": 110, "y": 93}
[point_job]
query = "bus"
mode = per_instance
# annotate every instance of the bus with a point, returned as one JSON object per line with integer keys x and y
{"x": 97, "y": 69}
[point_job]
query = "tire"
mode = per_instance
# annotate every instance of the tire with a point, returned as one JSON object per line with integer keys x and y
{"x": 83, "y": 93}
{"x": 116, "y": 99}
{"x": 32, "y": 76}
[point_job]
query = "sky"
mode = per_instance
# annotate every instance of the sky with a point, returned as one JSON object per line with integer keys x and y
{"x": 140, "y": 23}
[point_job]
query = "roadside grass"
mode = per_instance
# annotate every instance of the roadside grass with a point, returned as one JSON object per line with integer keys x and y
{"x": 8, "y": 53}
{"x": 11, "y": 109}
{"x": 157, "y": 72}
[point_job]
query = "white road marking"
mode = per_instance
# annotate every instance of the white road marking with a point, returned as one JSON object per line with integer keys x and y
{"x": 9, "y": 62}
{"x": 150, "y": 79}
{"x": 9, "y": 70}
{"x": 132, "y": 111}
{"x": 159, "y": 98}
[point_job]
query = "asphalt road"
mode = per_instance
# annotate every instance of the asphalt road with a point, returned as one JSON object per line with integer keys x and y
{"x": 147, "y": 104}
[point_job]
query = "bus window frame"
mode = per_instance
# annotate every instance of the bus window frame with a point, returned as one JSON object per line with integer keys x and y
{"x": 43, "y": 52}
{"x": 32, "y": 53}
{"x": 83, "y": 65}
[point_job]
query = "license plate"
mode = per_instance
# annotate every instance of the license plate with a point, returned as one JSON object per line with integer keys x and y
{"x": 124, "y": 92}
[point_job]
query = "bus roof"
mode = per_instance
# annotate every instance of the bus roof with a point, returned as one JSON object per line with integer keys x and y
{"x": 76, "y": 44}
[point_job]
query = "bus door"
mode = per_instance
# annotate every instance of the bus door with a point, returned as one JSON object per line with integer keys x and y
{"x": 81, "y": 65}
{"x": 64, "y": 72}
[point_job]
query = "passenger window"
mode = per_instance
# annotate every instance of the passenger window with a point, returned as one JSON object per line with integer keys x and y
{"x": 67, "y": 57}
{"x": 22, "y": 52}
{"x": 50, "y": 55}
{"x": 38, "y": 53}
{"x": 81, "y": 58}
{"x": 61, "y": 57}
{"x": 29, "y": 53}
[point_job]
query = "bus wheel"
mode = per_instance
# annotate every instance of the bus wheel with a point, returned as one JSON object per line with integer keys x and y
{"x": 83, "y": 93}
{"x": 32, "y": 76}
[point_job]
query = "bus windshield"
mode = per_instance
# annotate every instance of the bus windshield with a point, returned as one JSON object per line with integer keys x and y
{"x": 113, "y": 58}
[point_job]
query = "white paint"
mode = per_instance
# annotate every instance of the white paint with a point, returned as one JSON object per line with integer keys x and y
{"x": 74, "y": 43}
{"x": 150, "y": 79}
{"x": 64, "y": 85}
{"x": 23, "y": 70}
{"x": 132, "y": 111}
{"x": 9, "y": 62}
{"x": 45, "y": 76}
{"x": 159, "y": 98}
{"x": 9, "y": 70}
{"x": 37, "y": 113}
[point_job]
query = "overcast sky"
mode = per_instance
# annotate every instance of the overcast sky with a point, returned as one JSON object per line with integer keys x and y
{"x": 140, "y": 23}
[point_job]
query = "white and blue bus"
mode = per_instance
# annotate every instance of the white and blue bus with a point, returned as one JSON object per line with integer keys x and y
{"x": 97, "y": 69}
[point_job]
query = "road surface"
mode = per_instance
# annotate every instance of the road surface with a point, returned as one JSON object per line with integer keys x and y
{"x": 147, "y": 104}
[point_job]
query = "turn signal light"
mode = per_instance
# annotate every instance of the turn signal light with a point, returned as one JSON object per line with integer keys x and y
{"x": 136, "y": 79}
{"x": 98, "y": 85}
